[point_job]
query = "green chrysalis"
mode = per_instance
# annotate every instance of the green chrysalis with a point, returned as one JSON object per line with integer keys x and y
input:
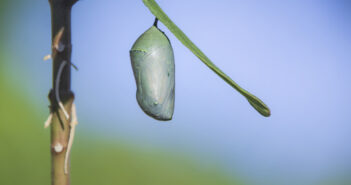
{"x": 153, "y": 66}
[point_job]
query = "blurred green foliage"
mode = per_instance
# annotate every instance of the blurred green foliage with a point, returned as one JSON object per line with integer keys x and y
{"x": 25, "y": 152}
{"x": 25, "y": 156}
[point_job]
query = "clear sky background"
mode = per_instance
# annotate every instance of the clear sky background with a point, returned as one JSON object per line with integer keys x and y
{"x": 294, "y": 55}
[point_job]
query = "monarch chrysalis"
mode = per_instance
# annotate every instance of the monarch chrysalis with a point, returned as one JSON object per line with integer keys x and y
{"x": 153, "y": 66}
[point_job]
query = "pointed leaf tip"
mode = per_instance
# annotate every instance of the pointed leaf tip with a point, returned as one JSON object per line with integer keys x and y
{"x": 259, "y": 105}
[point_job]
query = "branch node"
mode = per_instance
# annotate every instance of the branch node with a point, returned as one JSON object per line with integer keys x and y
{"x": 57, "y": 40}
{"x": 60, "y": 47}
{"x": 58, "y": 147}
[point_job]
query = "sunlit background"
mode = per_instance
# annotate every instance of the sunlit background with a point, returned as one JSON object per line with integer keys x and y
{"x": 294, "y": 55}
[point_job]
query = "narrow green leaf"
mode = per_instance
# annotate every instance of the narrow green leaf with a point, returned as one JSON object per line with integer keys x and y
{"x": 158, "y": 12}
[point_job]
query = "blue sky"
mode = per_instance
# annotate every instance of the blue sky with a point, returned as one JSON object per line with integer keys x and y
{"x": 294, "y": 55}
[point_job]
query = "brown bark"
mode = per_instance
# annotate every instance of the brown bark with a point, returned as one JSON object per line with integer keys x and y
{"x": 61, "y": 52}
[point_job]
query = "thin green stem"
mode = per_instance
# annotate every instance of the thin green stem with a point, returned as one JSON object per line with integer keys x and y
{"x": 161, "y": 15}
